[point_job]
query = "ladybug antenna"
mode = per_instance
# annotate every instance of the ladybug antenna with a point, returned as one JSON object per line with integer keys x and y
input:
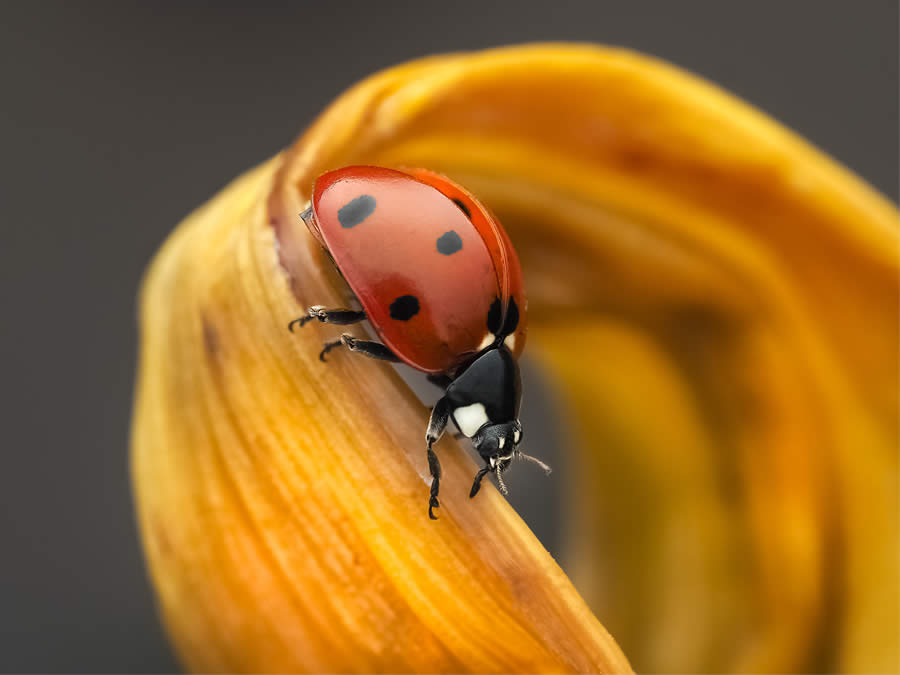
{"x": 541, "y": 464}
{"x": 500, "y": 481}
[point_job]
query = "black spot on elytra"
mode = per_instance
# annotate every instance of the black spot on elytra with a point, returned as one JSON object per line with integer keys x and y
{"x": 405, "y": 307}
{"x": 494, "y": 316}
{"x": 509, "y": 324}
{"x": 449, "y": 243}
{"x": 512, "y": 318}
{"x": 463, "y": 207}
{"x": 356, "y": 210}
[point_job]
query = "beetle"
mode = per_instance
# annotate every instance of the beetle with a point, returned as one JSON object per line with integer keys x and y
{"x": 440, "y": 283}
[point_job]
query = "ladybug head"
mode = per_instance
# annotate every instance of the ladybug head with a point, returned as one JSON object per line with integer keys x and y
{"x": 498, "y": 445}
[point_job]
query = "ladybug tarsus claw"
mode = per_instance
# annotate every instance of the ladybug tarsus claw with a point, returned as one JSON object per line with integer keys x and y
{"x": 303, "y": 320}
{"x": 327, "y": 348}
{"x": 433, "y": 504}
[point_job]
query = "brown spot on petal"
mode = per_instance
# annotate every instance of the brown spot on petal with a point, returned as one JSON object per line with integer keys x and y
{"x": 210, "y": 339}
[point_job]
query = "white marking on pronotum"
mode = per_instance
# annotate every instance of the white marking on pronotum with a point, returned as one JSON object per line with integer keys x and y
{"x": 470, "y": 418}
{"x": 516, "y": 436}
{"x": 487, "y": 342}
{"x": 510, "y": 342}
{"x": 502, "y": 442}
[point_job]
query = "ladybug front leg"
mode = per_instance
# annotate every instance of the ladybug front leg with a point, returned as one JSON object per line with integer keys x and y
{"x": 341, "y": 317}
{"x": 476, "y": 486}
{"x": 436, "y": 426}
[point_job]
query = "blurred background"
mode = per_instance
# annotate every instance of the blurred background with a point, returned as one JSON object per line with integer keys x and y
{"x": 119, "y": 118}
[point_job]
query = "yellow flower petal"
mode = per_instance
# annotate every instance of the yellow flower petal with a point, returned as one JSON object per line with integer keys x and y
{"x": 718, "y": 302}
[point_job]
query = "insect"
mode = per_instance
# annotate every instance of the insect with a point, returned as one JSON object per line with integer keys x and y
{"x": 440, "y": 283}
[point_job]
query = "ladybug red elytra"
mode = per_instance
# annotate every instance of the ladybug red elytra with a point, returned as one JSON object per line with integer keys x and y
{"x": 439, "y": 281}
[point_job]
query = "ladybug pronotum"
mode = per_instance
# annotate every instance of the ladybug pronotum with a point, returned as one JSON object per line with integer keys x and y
{"x": 439, "y": 281}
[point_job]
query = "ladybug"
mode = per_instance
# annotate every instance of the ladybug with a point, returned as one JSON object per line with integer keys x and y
{"x": 440, "y": 283}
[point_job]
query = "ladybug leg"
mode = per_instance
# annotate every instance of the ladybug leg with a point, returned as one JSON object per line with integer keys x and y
{"x": 436, "y": 426}
{"x": 476, "y": 486}
{"x": 341, "y": 317}
{"x": 374, "y": 350}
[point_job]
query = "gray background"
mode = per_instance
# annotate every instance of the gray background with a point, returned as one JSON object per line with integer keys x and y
{"x": 117, "y": 118}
